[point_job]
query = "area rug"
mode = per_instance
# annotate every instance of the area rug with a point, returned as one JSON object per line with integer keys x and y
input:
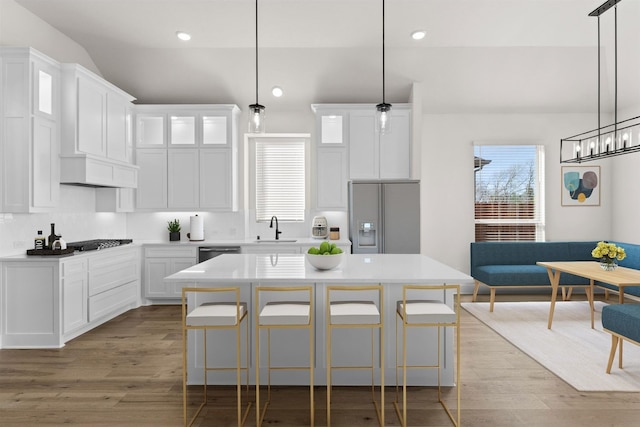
{"x": 570, "y": 349}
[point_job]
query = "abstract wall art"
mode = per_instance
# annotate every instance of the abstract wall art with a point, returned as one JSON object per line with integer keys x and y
{"x": 580, "y": 186}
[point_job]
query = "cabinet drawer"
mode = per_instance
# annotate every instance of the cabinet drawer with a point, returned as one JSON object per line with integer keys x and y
{"x": 108, "y": 272}
{"x": 113, "y": 299}
{"x": 171, "y": 252}
{"x": 73, "y": 267}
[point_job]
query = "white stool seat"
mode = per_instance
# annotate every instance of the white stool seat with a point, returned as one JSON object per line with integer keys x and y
{"x": 354, "y": 313}
{"x": 285, "y": 313}
{"x": 427, "y": 311}
{"x": 216, "y": 314}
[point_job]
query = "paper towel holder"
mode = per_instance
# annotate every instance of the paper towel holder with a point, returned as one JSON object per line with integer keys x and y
{"x": 198, "y": 224}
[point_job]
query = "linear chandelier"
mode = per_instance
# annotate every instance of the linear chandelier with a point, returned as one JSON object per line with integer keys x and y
{"x": 606, "y": 141}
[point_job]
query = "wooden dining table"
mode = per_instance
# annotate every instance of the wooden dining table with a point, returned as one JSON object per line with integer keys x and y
{"x": 621, "y": 277}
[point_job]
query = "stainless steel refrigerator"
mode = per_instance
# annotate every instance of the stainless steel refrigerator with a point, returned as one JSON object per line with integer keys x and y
{"x": 384, "y": 217}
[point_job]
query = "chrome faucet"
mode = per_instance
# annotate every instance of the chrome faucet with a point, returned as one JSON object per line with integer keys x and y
{"x": 278, "y": 232}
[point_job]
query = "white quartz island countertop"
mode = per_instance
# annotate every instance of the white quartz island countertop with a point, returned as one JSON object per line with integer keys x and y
{"x": 354, "y": 268}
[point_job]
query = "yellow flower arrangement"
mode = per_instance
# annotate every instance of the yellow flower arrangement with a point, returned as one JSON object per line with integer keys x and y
{"x": 608, "y": 252}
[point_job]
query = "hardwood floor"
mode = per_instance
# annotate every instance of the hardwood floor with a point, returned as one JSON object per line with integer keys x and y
{"x": 128, "y": 373}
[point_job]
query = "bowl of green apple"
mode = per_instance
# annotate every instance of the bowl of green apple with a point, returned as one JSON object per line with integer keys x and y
{"x": 325, "y": 257}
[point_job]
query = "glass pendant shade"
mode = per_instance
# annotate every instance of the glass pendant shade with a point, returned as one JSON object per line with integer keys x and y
{"x": 256, "y": 118}
{"x": 383, "y": 118}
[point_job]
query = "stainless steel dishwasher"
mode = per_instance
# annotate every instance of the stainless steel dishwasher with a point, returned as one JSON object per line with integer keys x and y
{"x": 208, "y": 252}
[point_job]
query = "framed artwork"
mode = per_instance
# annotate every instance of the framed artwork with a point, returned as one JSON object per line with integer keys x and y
{"x": 580, "y": 186}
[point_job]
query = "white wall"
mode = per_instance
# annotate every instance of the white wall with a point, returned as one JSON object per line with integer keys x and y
{"x": 447, "y": 179}
{"x": 75, "y": 219}
{"x": 21, "y": 28}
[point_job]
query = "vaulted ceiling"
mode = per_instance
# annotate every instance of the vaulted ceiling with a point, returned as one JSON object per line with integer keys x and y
{"x": 479, "y": 56}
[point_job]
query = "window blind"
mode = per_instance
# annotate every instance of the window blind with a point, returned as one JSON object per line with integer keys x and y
{"x": 280, "y": 180}
{"x": 509, "y": 199}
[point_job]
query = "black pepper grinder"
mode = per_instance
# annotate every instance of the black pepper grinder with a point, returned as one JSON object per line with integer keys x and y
{"x": 52, "y": 237}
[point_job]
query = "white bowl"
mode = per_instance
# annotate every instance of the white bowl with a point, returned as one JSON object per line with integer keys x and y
{"x": 324, "y": 262}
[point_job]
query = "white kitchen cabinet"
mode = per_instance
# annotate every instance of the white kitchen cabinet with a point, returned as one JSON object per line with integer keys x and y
{"x": 74, "y": 294}
{"x": 114, "y": 282}
{"x": 29, "y": 142}
{"x": 200, "y": 157}
{"x": 331, "y": 155}
{"x": 162, "y": 261}
{"x": 375, "y": 156}
{"x": 119, "y": 143}
{"x": 183, "y": 179}
{"x": 96, "y": 137}
{"x": 217, "y": 181}
{"x": 152, "y": 179}
{"x": 115, "y": 200}
{"x": 332, "y": 178}
{"x": 271, "y": 248}
{"x": 47, "y": 301}
{"x": 182, "y": 130}
{"x": 150, "y": 129}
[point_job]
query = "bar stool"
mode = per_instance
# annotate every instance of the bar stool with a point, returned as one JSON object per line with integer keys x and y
{"x": 224, "y": 313}
{"x": 345, "y": 314}
{"x": 283, "y": 314}
{"x": 428, "y": 313}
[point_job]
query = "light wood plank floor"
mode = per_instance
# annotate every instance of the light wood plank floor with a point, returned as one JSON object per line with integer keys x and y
{"x": 128, "y": 373}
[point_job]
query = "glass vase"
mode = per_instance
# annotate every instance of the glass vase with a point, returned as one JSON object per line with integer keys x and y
{"x": 608, "y": 264}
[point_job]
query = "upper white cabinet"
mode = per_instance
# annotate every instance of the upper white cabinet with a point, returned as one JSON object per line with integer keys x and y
{"x": 376, "y": 156}
{"x": 152, "y": 183}
{"x": 96, "y": 144}
{"x": 29, "y": 140}
{"x": 184, "y": 126}
{"x": 348, "y": 147}
{"x": 187, "y": 156}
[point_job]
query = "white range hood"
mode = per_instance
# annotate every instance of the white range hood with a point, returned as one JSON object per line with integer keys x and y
{"x": 95, "y": 171}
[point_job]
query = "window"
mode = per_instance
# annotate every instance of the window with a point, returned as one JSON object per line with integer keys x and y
{"x": 280, "y": 182}
{"x": 509, "y": 192}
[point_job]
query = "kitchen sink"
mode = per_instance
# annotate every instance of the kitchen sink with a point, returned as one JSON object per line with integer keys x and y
{"x": 275, "y": 241}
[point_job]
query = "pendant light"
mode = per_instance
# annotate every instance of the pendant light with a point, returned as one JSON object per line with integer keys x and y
{"x": 383, "y": 110}
{"x": 621, "y": 137}
{"x": 256, "y": 111}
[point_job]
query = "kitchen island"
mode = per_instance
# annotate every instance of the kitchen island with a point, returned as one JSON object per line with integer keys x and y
{"x": 391, "y": 270}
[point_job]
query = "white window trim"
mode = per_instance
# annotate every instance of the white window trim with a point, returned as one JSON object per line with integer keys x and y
{"x": 250, "y": 172}
{"x": 539, "y": 190}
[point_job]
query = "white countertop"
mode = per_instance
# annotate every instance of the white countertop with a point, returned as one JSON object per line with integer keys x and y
{"x": 299, "y": 241}
{"x": 303, "y": 242}
{"x": 355, "y": 268}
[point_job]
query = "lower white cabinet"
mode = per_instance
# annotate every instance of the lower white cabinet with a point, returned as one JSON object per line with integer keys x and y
{"x": 161, "y": 261}
{"x": 74, "y": 294}
{"x": 47, "y": 302}
{"x": 268, "y": 248}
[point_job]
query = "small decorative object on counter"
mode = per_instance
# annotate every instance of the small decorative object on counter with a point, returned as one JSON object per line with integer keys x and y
{"x": 174, "y": 230}
{"x": 38, "y": 243}
{"x": 334, "y": 233}
{"x": 52, "y": 237}
{"x": 609, "y": 255}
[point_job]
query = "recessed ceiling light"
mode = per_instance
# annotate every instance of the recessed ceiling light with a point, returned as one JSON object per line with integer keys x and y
{"x": 277, "y": 91}
{"x": 183, "y": 36}
{"x": 418, "y": 35}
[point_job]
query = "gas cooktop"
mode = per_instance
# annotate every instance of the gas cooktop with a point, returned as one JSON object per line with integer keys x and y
{"x": 97, "y": 244}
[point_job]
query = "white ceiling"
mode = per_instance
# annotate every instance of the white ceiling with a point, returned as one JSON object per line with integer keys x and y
{"x": 479, "y": 56}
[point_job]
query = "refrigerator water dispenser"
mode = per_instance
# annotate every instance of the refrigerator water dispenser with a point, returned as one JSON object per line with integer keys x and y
{"x": 367, "y": 235}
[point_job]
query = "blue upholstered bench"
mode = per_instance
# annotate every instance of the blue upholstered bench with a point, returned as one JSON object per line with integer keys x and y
{"x": 622, "y": 321}
{"x": 502, "y": 265}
